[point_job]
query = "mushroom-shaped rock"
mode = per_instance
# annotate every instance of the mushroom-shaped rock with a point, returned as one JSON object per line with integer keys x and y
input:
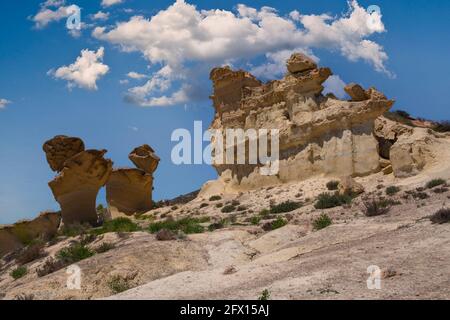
{"x": 298, "y": 62}
{"x": 129, "y": 191}
{"x": 144, "y": 158}
{"x": 356, "y": 92}
{"x": 61, "y": 148}
{"x": 76, "y": 187}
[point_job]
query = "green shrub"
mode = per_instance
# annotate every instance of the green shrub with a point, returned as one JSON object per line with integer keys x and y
{"x": 32, "y": 252}
{"x": 255, "y": 220}
{"x": 443, "y": 126}
{"x": 117, "y": 225}
{"x": 434, "y": 183}
{"x": 279, "y": 223}
{"x": 218, "y": 225}
{"x": 332, "y": 185}
{"x": 215, "y": 198}
{"x": 286, "y": 206}
{"x": 264, "y": 213}
{"x": 322, "y": 222}
{"x": 392, "y": 190}
{"x": 19, "y": 272}
{"x": 186, "y": 225}
{"x": 440, "y": 217}
{"x": 219, "y": 205}
{"x": 75, "y": 229}
{"x": 265, "y": 295}
{"x": 74, "y": 253}
{"x": 228, "y": 208}
{"x": 327, "y": 200}
{"x": 118, "y": 284}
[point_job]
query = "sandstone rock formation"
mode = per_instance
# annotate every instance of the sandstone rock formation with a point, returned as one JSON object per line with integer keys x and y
{"x": 129, "y": 190}
{"x": 356, "y": 92}
{"x": 318, "y": 135}
{"x": 61, "y": 148}
{"x": 348, "y": 186}
{"x": 16, "y": 236}
{"x": 77, "y": 185}
{"x": 144, "y": 158}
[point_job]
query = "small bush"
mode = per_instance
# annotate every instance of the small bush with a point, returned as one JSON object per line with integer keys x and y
{"x": 392, "y": 190}
{"x": 441, "y": 190}
{"x": 322, "y": 222}
{"x": 219, "y": 205}
{"x": 19, "y": 272}
{"x": 332, "y": 185}
{"x": 218, "y": 225}
{"x": 265, "y": 295}
{"x": 228, "y": 208}
{"x": 420, "y": 195}
{"x": 215, "y": 198}
{"x": 255, "y": 220}
{"x": 118, "y": 284}
{"x": 31, "y": 253}
{"x": 74, "y": 230}
{"x": 186, "y": 225}
{"x": 117, "y": 225}
{"x": 434, "y": 183}
{"x": 327, "y": 200}
{"x": 279, "y": 223}
{"x": 203, "y": 205}
{"x": 264, "y": 213}
{"x": 50, "y": 265}
{"x": 235, "y": 203}
{"x": 440, "y": 217}
{"x": 74, "y": 253}
{"x": 284, "y": 207}
{"x": 241, "y": 208}
{"x": 104, "y": 247}
{"x": 375, "y": 208}
{"x": 443, "y": 126}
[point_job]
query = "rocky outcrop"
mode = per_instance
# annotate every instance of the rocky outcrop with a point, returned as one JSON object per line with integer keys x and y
{"x": 61, "y": 148}
{"x": 16, "y": 236}
{"x": 356, "y": 92}
{"x": 77, "y": 186}
{"x": 318, "y": 135}
{"x": 129, "y": 190}
{"x": 144, "y": 158}
{"x": 349, "y": 187}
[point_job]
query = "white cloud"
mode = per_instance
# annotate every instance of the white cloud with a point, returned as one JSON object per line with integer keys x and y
{"x": 135, "y": 129}
{"x": 101, "y": 16}
{"x": 136, "y": 75}
{"x": 335, "y": 85}
{"x": 47, "y": 15}
{"x": 109, "y": 3}
{"x": 85, "y": 71}
{"x": 4, "y": 103}
{"x": 182, "y": 35}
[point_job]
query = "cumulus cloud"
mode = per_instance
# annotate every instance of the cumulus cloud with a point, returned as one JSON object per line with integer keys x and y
{"x": 85, "y": 71}
{"x": 136, "y": 75}
{"x": 4, "y": 103}
{"x": 101, "y": 16}
{"x": 182, "y": 37}
{"x": 52, "y": 11}
{"x": 335, "y": 85}
{"x": 109, "y": 3}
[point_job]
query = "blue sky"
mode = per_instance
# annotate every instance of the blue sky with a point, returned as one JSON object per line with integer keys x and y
{"x": 39, "y": 98}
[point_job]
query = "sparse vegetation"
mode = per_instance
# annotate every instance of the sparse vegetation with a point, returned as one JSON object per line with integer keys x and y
{"x": 322, "y": 222}
{"x": 219, "y": 205}
{"x": 284, "y": 207}
{"x": 392, "y": 190}
{"x": 218, "y": 225}
{"x": 74, "y": 253}
{"x": 440, "y": 217}
{"x": 332, "y": 185}
{"x": 50, "y": 265}
{"x": 117, "y": 225}
{"x": 441, "y": 190}
{"x": 228, "y": 208}
{"x": 74, "y": 230}
{"x": 443, "y": 126}
{"x": 104, "y": 247}
{"x": 264, "y": 213}
{"x": 255, "y": 220}
{"x": 215, "y": 198}
{"x": 186, "y": 225}
{"x": 279, "y": 223}
{"x": 32, "y": 252}
{"x": 19, "y": 272}
{"x": 203, "y": 205}
{"x": 399, "y": 116}
{"x": 265, "y": 295}
{"x": 327, "y": 200}
{"x": 118, "y": 284}
{"x": 434, "y": 183}
{"x": 241, "y": 208}
{"x": 375, "y": 208}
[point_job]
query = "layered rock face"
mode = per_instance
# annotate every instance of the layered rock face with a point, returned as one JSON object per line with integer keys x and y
{"x": 318, "y": 135}
{"x": 129, "y": 190}
{"x": 16, "y": 236}
{"x": 80, "y": 178}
